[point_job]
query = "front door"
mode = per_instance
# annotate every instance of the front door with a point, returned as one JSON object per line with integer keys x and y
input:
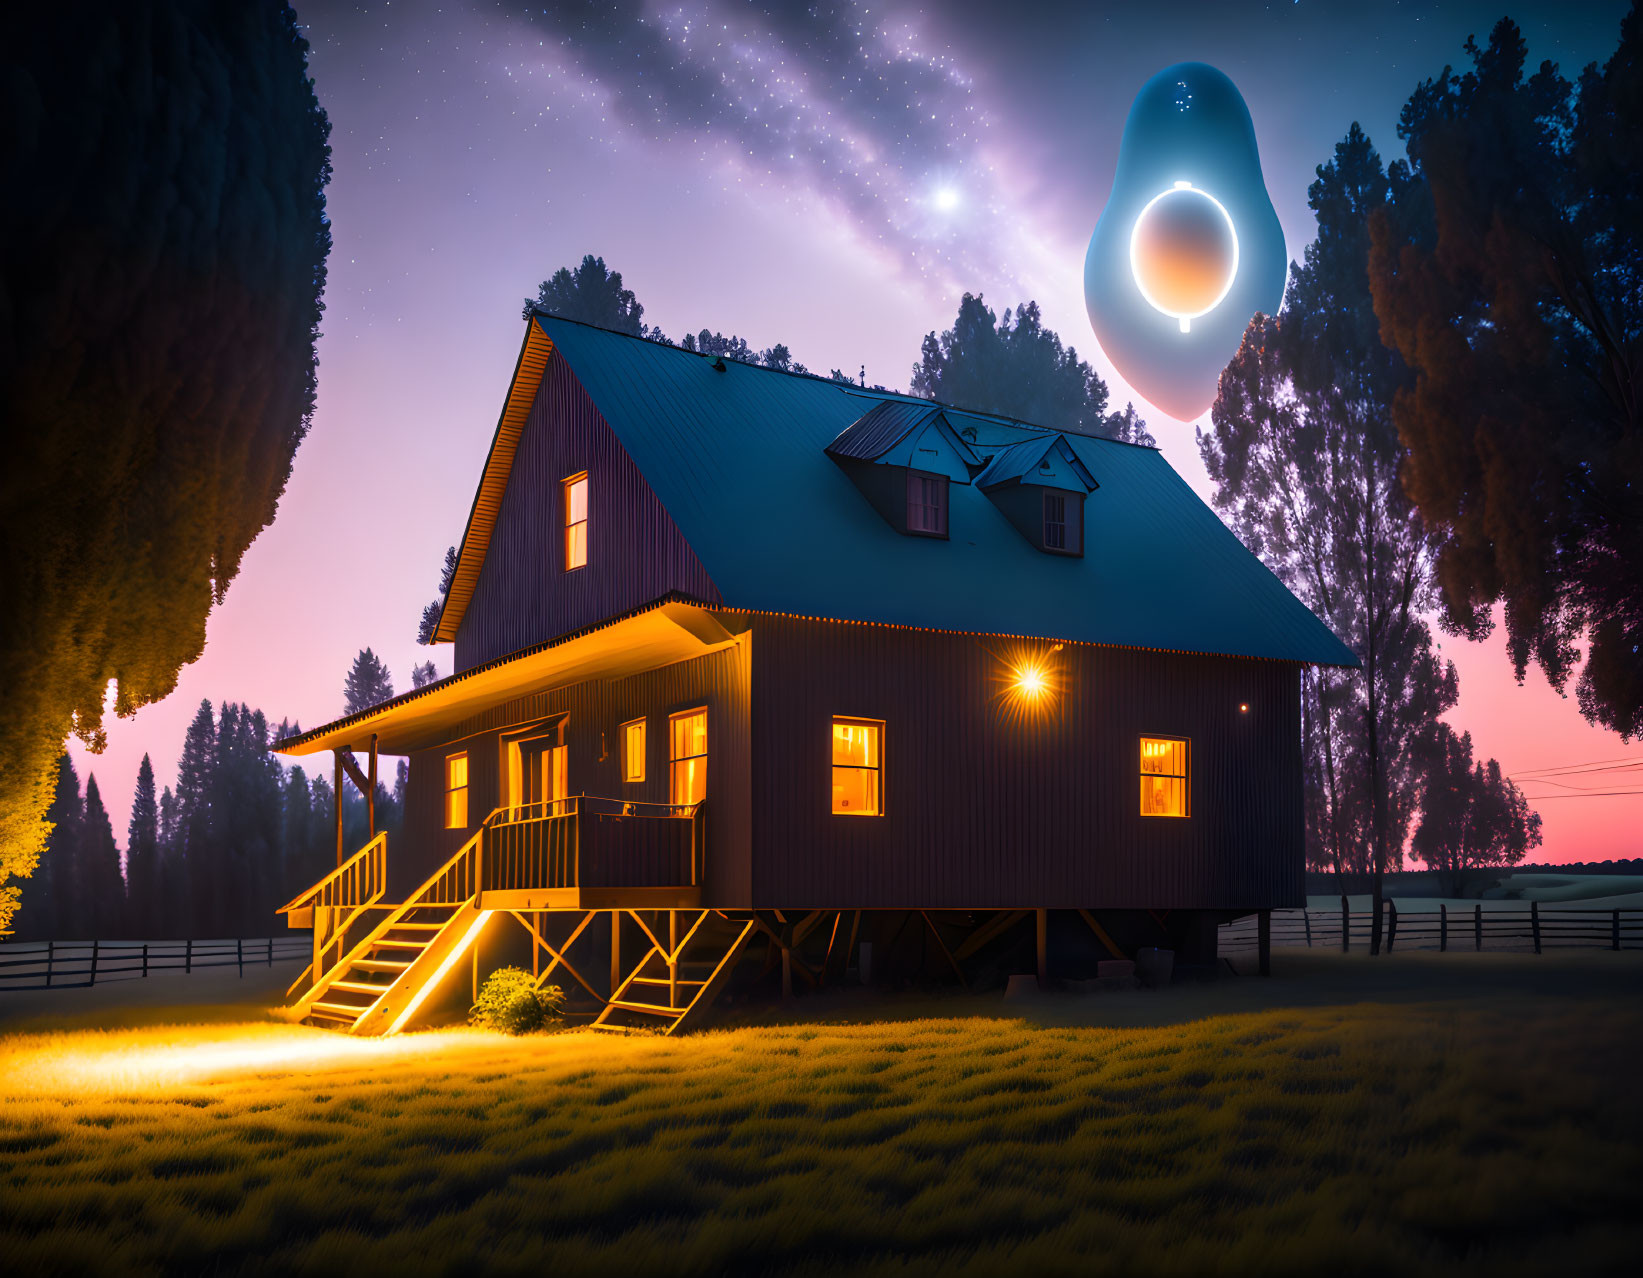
{"x": 538, "y": 772}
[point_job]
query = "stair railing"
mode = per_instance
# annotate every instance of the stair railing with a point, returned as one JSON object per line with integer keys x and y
{"x": 338, "y": 900}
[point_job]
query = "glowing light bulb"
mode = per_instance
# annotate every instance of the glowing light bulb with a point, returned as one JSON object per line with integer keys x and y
{"x": 1184, "y": 253}
{"x": 1029, "y": 682}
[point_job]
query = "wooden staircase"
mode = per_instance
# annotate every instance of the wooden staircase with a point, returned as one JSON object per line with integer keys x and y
{"x": 377, "y": 986}
{"x": 677, "y": 980}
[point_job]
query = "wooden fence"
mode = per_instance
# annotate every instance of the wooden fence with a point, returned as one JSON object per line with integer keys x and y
{"x": 39, "y": 965}
{"x": 1532, "y": 928}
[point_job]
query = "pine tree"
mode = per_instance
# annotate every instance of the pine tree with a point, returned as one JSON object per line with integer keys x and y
{"x": 48, "y": 896}
{"x": 423, "y": 675}
{"x": 103, "y": 886}
{"x": 430, "y": 614}
{"x": 194, "y": 844}
{"x": 143, "y": 855}
{"x": 368, "y": 683}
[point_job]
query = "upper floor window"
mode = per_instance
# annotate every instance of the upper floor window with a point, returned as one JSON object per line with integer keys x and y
{"x": 858, "y": 767}
{"x": 575, "y": 491}
{"x": 687, "y": 757}
{"x": 926, "y": 503}
{"x": 456, "y": 791}
{"x": 633, "y": 750}
{"x": 1064, "y": 522}
{"x": 1166, "y": 776}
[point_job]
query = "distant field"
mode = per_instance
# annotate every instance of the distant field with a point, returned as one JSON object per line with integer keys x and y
{"x": 1586, "y": 891}
{"x": 1408, "y": 1115}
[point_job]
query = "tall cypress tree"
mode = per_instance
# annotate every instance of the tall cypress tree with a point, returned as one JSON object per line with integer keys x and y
{"x": 102, "y": 885}
{"x": 193, "y": 845}
{"x": 143, "y": 855}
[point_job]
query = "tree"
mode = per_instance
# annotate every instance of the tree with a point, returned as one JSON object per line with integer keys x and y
{"x": 1505, "y": 273}
{"x": 430, "y": 614}
{"x": 423, "y": 675}
{"x": 1305, "y": 460}
{"x": 159, "y": 305}
{"x": 143, "y": 854}
{"x": 367, "y": 684}
{"x": 592, "y": 294}
{"x": 1472, "y": 817}
{"x": 1017, "y": 368}
{"x": 101, "y": 903}
{"x": 708, "y": 342}
{"x": 47, "y": 900}
{"x": 191, "y": 886}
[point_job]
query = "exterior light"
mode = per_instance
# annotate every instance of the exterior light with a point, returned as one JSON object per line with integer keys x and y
{"x": 1244, "y": 708}
{"x": 1030, "y": 681}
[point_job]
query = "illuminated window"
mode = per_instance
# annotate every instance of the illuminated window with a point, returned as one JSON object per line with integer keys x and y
{"x": 1063, "y": 522}
{"x": 687, "y": 757}
{"x": 576, "y": 520}
{"x": 926, "y": 503}
{"x": 633, "y": 750}
{"x": 1164, "y": 777}
{"x": 456, "y": 792}
{"x": 858, "y": 767}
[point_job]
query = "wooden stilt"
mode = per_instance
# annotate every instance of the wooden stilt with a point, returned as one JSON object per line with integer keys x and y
{"x": 1042, "y": 919}
{"x": 371, "y": 792}
{"x": 615, "y": 951}
{"x": 673, "y": 958}
{"x": 336, "y": 794}
{"x": 787, "y": 975}
{"x": 1264, "y": 940}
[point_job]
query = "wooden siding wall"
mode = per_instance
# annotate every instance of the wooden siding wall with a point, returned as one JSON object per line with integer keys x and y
{"x": 719, "y": 681}
{"x": 635, "y": 552}
{"x": 991, "y": 805}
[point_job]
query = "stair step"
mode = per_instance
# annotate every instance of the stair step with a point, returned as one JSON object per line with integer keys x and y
{"x": 403, "y": 945}
{"x": 382, "y": 965}
{"x": 649, "y": 1009}
{"x": 341, "y": 1011}
{"x": 430, "y": 927}
{"x": 663, "y": 981}
{"x": 358, "y": 987}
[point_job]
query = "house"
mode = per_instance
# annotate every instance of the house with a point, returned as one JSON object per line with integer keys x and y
{"x": 757, "y": 664}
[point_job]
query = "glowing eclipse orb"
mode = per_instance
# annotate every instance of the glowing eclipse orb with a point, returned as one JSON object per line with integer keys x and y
{"x": 1184, "y": 253}
{"x": 946, "y": 199}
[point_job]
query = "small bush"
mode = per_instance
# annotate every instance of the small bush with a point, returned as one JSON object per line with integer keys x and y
{"x": 510, "y": 1002}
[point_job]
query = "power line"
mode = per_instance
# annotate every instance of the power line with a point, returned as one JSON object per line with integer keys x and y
{"x": 1584, "y": 794}
{"x": 1634, "y": 759}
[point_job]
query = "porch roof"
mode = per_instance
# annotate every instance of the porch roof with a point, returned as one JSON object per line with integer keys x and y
{"x": 657, "y": 634}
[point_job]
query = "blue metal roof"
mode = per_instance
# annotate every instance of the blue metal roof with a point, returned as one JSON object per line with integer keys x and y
{"x": 1022, "y": 462}
{"x": 738, "y": 458}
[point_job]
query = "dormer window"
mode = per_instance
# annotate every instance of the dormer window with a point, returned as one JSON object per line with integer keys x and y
{"x": 903, "y": 456}
{"x": 1064, "y": 522}
{"x": 1039, "y": 485}
{"x": 926, "y": 504}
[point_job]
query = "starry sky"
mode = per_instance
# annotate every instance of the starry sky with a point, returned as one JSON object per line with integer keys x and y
{"x": 833, "y": 177}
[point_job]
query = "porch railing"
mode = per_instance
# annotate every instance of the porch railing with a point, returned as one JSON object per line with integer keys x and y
{"x": 337, "y": 902}
{"x": 587, "y": 841}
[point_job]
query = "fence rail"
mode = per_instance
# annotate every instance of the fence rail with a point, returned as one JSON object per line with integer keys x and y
{"x": 1535, "y": 928}
{"x": 39, "y": 965}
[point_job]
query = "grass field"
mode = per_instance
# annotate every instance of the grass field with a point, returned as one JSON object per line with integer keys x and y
{"x": 1413, "y": 1114}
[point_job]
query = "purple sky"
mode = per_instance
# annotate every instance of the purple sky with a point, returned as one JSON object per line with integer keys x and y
{"x": 833, "y": 180}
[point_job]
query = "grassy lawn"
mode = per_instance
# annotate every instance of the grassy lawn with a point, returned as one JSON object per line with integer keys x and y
{"x": 1419, "y": 1113}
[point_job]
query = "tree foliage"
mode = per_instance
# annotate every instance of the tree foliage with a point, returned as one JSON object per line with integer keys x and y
{"x": 1472, "y": 817}
{"x": 593, "y": 294}
{"x": 1015, "y": 367}
{"x": 159, "y": 304}
{"x": 368, "y": 683}
{"x": 1305, "y": 459}
{"x": 1506, "y": 273}
{"x": 430, "y": 614}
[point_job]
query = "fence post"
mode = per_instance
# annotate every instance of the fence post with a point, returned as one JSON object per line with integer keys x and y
{"x": 239, "y": 954}
{"x": 1614, "y": 931}
{"x": 1443, "y": 928}
{"x": 95, "y": 944}
{"x": 1346, "y": 925}
{"x": 1306, "y": 918}
{"x": 1263, "y": 941}
{"x": 1534, "y": 922}
{"x": 270, "y": 951}
{"x": 145, "y": 960}
{"x": 1391, "y": 923}
{"x": 188, "y": 957}
{"x": 1477, "y": 924}
{"x": 51, "y": 955}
